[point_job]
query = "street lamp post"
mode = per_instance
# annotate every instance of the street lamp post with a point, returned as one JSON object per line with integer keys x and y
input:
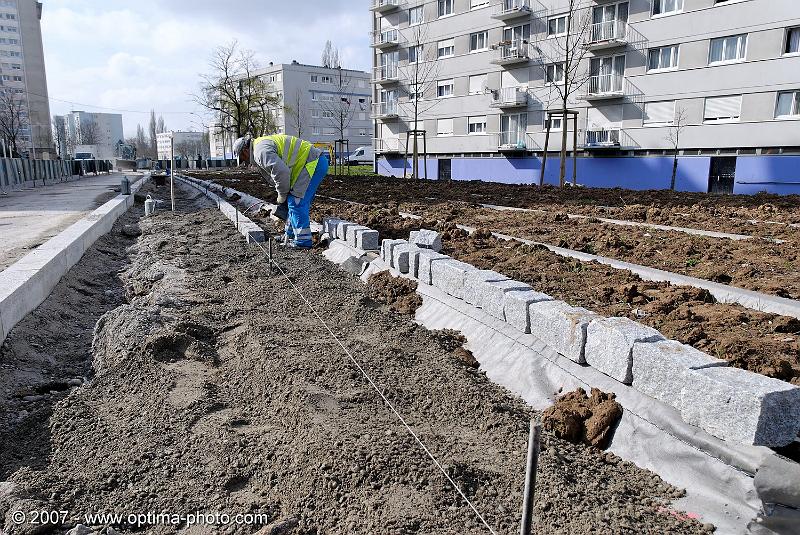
{"x": 172, "y": 170}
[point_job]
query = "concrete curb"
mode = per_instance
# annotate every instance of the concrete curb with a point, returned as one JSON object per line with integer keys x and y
{"x": 28, "y": 282}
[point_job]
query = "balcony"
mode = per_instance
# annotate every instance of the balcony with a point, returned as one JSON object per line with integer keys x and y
{"x": 385, "y": 6}
{"x": 388, "y": 145}
{"x": 511, "y": 9}
{"x": 512, "y": 52}
{"x": 386, "y": 74}
{"x": 385, "y": 111}
{"x": 514, "y": 142}
{"x": 605, "y": 87}
{"x": 606, "y": 138}
{"x": 509, "y": 97}
{"x": 385, "y": 39}
{"x": 610, "y": 34}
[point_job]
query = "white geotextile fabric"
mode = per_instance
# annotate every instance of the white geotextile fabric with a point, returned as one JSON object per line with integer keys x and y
{"x": 717, "y": 476}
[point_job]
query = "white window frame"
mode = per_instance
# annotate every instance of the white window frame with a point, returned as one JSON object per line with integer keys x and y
{"x": 419, "y": 50}
{"x": 477, "y": 120}
{"x": 446, "y": 83}
{"x": 739, "y": 48}
{"x": 652, "y": 123}
{"x": 477, "y": 36}
{"x": 557, "y": 18}
{"x": 547, "y": 80}
{"x": 787, "y": 41}
{"x": 446, "y": 44}
{"x": 794, "y": 113}
{"x": 445, "y": 3}
{"x": 477, "y": 4}
{"x": 675, "y": 56}
{"x": 416, "y": 9}
{"x": 556, "y": 124}
{"x": 678, "y": 8}
{"x": 479, "y": 91}
{"x": 721, "y": 120}
{"x": 439, "y": 132}
{"x": 314, "y": 78}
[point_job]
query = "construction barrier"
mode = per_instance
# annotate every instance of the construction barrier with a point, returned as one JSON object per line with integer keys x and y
{"x": 16, "y": 173}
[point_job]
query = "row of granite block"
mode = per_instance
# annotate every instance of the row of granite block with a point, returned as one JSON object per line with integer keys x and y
{"x": 729, "y": 403}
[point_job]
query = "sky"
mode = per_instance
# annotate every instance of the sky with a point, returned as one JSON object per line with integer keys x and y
{"x": 133, "y": 56}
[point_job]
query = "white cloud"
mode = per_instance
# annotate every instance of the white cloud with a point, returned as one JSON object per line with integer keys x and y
{"x": 148, "y": 54}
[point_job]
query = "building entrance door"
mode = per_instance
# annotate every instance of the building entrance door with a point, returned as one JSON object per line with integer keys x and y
{"x": 722, "y": 174}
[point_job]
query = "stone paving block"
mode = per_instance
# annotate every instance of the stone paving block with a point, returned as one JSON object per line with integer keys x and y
{"x": 561, "y": 327}
{"x": 421, "y": 261}
{"x": 367, "y": 240}
{"x": 350, "y": 234}
{"x": 516, "y": 307}
{"x": 329, "y": 225}
{"x": 741, "y": 406}
{"x": 341, "y": 229}
{"x": 386, "y": 250}
{"x": 449, "y": 275}
{"x": 609, "y": 345}
{"x": 400, "y": 254}
{"x": 426, "y": 239}
{"x": 472, "y": 284}
{"x": 492, "y": 296}
{"x": 660, "y": 369}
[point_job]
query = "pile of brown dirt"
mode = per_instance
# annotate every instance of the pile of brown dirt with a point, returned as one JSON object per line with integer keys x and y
{"x": 398, "y": 293}
{"x": 454, "y": 341}
{"x": 579, "y": 418}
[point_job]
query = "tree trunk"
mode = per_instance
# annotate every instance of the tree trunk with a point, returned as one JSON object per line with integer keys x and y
{"x": 674, "y": 171}
{"x": 564, "y": 137}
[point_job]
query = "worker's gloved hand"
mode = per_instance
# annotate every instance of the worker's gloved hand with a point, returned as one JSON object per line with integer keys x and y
{"x": 282, "y": 198}
{"x": 281, "y": 211}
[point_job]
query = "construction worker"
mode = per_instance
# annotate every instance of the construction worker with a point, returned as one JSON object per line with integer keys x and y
{"x": 296, "y": 168}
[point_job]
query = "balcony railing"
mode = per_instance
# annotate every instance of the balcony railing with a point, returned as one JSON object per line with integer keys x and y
{"x": 385, "y": 38}
{"x": 509, "y": 9}
{"x": 511, "y": 52}
{"x": 605, "y": 86}
{"x": 389, "y": 145}
{"x": 386, "y": 6}
{"x": 514, "y": 141}
{"x": 509, "y": 97}
{"x": 597, "y": 138}
{"x": 385, "y": 110}
{"x": 384, "y": 74}
{"x": 607, "y": 34}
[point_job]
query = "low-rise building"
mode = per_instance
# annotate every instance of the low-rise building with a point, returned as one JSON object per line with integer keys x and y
{"x": 188, "y": 145}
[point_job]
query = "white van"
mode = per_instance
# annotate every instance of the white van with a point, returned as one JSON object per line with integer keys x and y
{"x": 361, "y": 156}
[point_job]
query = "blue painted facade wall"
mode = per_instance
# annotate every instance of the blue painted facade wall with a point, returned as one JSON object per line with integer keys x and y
{"x": 774, "y": 174}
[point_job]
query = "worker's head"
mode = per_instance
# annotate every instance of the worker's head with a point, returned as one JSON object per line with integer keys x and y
{"x": 241, "y": 149}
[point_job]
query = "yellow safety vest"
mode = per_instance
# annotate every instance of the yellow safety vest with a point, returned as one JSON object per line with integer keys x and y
{"x": 295, "y": 156}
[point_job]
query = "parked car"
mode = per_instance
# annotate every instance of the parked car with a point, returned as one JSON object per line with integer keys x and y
{"x": 361, "y": 156}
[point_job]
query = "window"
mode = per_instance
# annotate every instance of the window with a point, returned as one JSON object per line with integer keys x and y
{"x": 316, "y": 130}
{"x": 446, "y": 48}
{"x": 665, "y": 7}
{"x": 415, "y": 53}
{"x": 659, "y": 113}
{"x": 720, "y": 109}
{"x": 445, "y": 7}
{"x": 444, "y": 127}
{"x": 479, "y": 41}
{"x": 477, "y": 125}
{"x": 445, "y": 88}
{"x": 416, "y": 15}
{"x": 554, "y": 73}
{"x": 556, "y": 123}
{"x": 792, "y": 41}
{"x": 665, "y": 57}
{"x": 414, "y": 93}
{"x": 326, "y": 79}
{"x": 315, "y": 113}
{"x": 788, "y": 104}
{"x": 362, "y": 132}
{"x": 557, "y": 26}
{"x": 474, "y": 4}
{"x": 727, "y": 49}
{"x": 328, "y": 115}
{"x": 515, "y": 33}
{"x": 477, "y": 84}
{"x": 314, "y": 79}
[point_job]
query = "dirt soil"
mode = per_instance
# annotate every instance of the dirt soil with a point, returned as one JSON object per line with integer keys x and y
{"x": 763, "y": 343}
{"x": 212, "y": 388}
{"x": 399, "y": 294}
{"x": 755, "y": 264}
{"x": 584, "y": 419}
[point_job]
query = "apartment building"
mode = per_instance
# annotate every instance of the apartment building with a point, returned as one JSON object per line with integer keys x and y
{"x": 101, "y": 130}
{"x": 724, "y": 74}
{"x": 22, "y": 71}
{"x": 314, "y": 100}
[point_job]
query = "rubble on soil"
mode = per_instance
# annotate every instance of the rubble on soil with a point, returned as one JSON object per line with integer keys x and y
{"x": 579, "y": 418}
{"x": 398, "y": 293}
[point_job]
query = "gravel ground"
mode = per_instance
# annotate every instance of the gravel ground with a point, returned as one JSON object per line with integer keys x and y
{"x": 212, "y": 388}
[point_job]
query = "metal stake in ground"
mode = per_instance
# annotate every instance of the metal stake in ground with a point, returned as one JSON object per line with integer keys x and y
{"x": 530, "y": 479}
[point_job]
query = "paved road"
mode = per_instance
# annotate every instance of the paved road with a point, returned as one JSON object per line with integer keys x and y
{"x": 30, "y": 217}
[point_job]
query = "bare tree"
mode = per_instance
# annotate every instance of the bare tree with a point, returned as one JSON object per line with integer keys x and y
{"x": 161, "y": 127}
{"x": 89, "y": 132}
{"x": 563, "y": 56}
{"x": 297, "y": 113}
{"x": 330, "y": 56}
{"x": 674, "y": 137}
{"x": 241, "y": 101}
{"x": 141, "y": 141}
{"x": 152, "y": 148}
{"x": 421, "y": 71}
{"x": 13, "y": 118}
{"x": 60, "y": 135}
{"x": 337, "y": 105}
